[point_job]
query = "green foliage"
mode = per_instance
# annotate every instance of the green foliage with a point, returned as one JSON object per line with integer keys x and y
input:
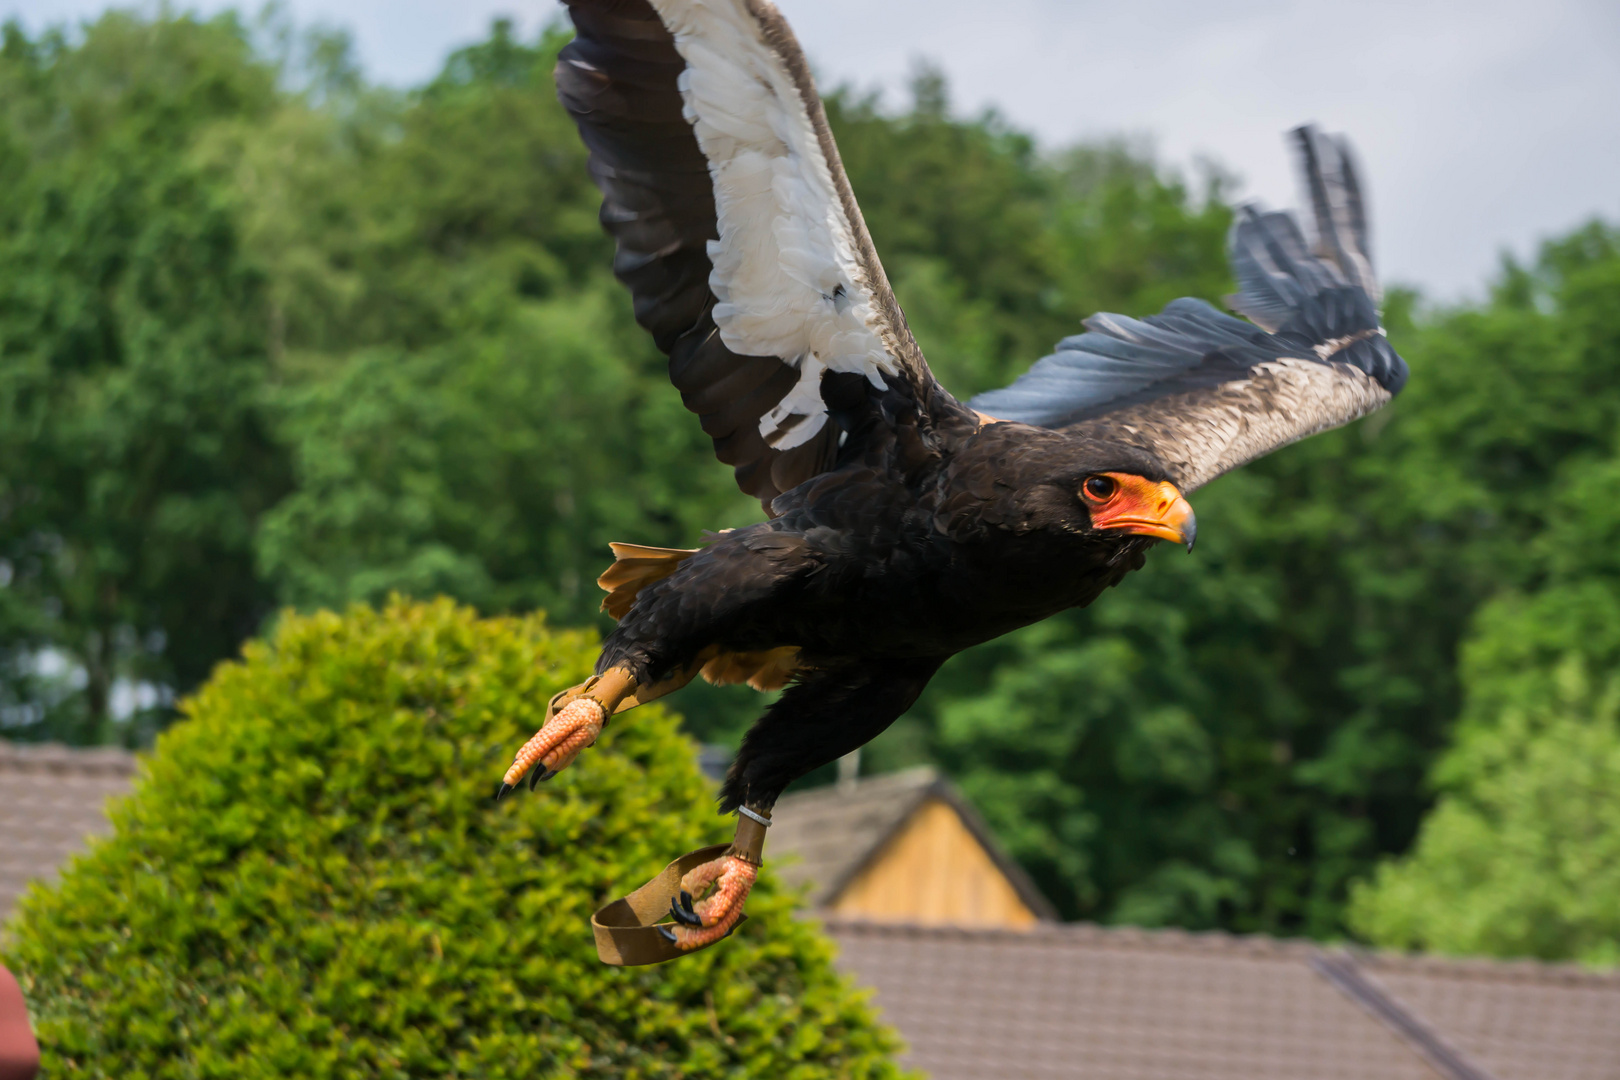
{"x": 312, "y": 880}
{"x": 445, "y": 470}
{"x": 132, "y": 449}
{"x": 475, "y": 414}
{"x": 1521, "y": 856}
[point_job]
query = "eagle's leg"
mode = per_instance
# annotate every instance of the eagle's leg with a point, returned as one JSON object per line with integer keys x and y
{"x": 575, "y": 719}
{"x": 820, "y": 718}
{"x": 663, "y": 639}
{"x": 829, "y": 712}
{"x": 707, "y": 920}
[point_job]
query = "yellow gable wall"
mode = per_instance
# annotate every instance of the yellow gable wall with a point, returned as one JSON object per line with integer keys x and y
{"x": 934, "y": 871}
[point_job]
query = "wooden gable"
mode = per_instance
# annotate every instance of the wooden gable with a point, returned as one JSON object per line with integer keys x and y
{"x": 933, "y": 871}
{"x": 902, "y": 847}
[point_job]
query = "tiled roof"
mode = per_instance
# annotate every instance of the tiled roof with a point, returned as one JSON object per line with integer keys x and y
{"x": 824, "y": 837}
{"x": 51, "y": 799}
{"x": 1548, "y": 1021}
{"x": 1117, "y": 1004}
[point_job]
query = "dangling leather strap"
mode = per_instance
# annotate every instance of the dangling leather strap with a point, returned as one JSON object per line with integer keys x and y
{"x": 626, "y": 930}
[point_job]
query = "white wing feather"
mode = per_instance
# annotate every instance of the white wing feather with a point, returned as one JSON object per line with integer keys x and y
{"x": 786, "y": 274}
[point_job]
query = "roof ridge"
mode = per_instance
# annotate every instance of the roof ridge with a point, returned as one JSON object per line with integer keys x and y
{"x": 61, "y": 758}
{"x": 947, "y": 792}
{"x": 1159, "y": 939}
{"x": 1342, "y": 972}
{"x": 1516, "y": 969}
{"x": 1155, "y": 939}
{"x": 906, "y": 792}
{"x": 913, "y": 795}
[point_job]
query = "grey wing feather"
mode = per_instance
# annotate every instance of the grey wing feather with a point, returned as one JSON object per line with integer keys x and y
{"x": 1205, "y": 391}
{"x": 1337, "y": 207}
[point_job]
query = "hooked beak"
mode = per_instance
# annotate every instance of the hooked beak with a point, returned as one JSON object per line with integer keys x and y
{"x": 1145, "y": 508}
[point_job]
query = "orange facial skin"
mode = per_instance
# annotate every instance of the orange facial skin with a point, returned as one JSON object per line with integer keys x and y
{"x": 1141, "y": 507}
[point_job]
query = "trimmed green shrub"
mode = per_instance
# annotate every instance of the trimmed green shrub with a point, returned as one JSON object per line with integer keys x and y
{"x": 311, "y": 880}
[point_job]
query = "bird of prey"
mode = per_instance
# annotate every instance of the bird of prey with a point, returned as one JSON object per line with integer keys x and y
{"x": 903, "y": 525}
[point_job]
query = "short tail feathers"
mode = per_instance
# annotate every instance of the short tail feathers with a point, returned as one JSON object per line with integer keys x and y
{"x": 635, "y": 566}
{"x": 768, "y": 669}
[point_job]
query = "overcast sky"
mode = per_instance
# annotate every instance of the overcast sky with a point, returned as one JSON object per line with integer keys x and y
{"x": 1481, "y": 126}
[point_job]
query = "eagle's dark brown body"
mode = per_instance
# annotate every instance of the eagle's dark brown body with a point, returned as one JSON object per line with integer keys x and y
{"x": 879, "y": 570}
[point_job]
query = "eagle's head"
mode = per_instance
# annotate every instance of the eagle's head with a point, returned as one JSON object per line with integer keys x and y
{"x": 1100, "y": 490}
{"x": 1134, "y": 505}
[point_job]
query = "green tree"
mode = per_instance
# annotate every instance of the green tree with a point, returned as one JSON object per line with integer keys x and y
{"x": 311, "y": 880}
{"x": 1521, "y": 855}
{"x": 134, "y": 455}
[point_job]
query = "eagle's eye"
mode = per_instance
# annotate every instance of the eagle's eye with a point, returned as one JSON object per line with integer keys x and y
{"x": 1100, "y": 488}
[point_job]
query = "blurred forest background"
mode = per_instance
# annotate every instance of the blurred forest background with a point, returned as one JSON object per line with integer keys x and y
{"x": 273, "y": 337}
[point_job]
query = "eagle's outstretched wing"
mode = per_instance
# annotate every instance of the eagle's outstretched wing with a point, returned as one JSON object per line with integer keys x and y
{"x": 737, "y": 232}
{"x": 1206, "y": 392}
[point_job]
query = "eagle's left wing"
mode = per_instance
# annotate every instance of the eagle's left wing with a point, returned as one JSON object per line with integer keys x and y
{"x": 1206, "y": 392}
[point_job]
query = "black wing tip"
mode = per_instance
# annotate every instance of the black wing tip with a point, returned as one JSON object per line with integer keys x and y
{"x": 1394, "y": 381}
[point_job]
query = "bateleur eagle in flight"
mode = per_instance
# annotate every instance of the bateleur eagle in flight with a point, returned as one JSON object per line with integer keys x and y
{"x": 903, "y": 525}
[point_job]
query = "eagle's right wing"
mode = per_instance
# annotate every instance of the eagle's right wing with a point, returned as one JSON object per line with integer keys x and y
{"x": 1206, "y": 392}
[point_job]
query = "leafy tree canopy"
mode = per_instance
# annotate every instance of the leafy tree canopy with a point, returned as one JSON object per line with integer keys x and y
{"x": 134, "y": 455}
{"x": 1521, "y": 856}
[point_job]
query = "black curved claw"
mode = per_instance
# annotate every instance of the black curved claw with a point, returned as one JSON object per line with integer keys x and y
{"x": 540, "y": 776}
{"x": 502, "y": 790}
{"x": 667, "y": 933}
{"x": 681, "y": 907}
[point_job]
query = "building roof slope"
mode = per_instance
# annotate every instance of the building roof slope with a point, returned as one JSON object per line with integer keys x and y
{"x": 1548, "y": 1021}
{"x": 1119, "y": 1004}
{"x": 51, "y": 799}
{"x": 830, "y": 831}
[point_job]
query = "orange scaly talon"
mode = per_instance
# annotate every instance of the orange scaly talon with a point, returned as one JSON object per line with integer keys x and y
{"x": 576, "y": 726}
{"x": 720, "y": 911}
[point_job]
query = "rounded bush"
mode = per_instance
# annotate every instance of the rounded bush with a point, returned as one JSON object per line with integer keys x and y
{"x": 311, "y": 880}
